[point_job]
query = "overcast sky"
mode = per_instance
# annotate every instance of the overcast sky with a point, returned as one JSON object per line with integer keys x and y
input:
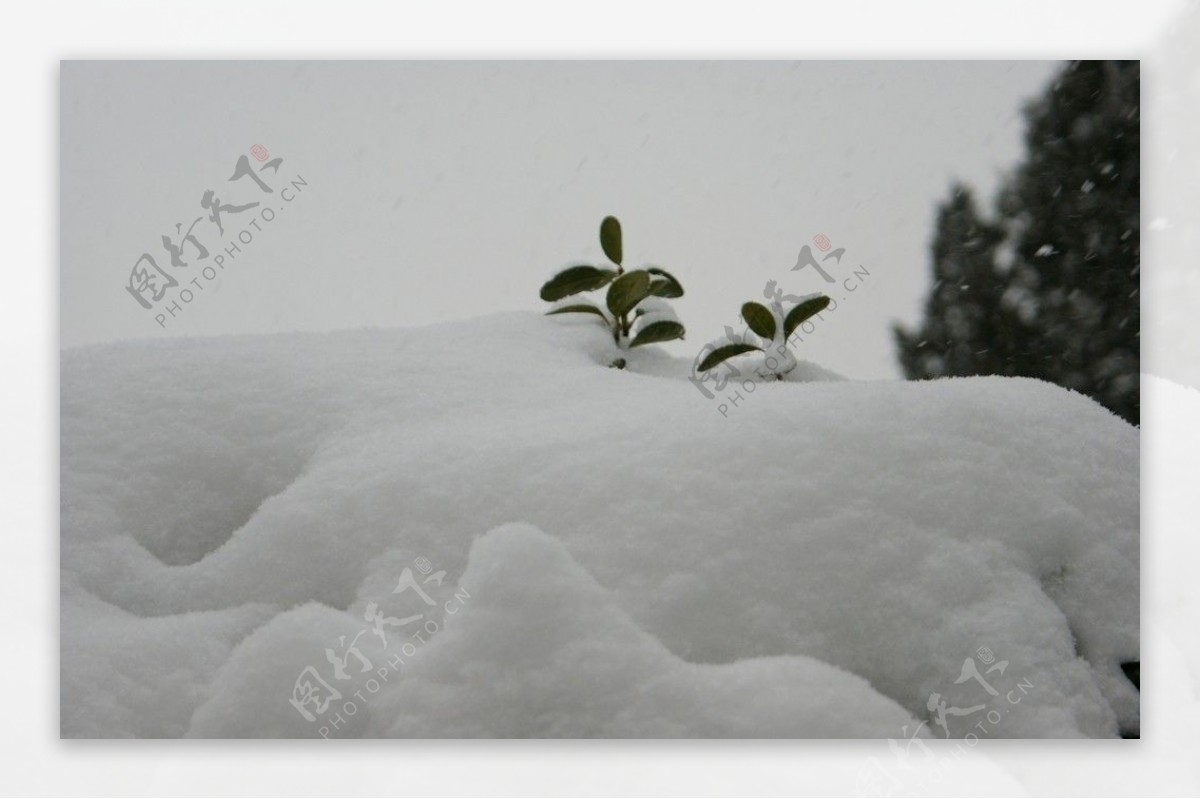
{"x": 447, "y": 190}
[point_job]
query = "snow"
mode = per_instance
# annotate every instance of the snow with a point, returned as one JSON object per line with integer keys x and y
{"x": 620, "y": 558}
{"x": 586, "y": 669}
{"x": 654, "y": 309}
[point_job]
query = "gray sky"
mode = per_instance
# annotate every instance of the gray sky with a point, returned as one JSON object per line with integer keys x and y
{"x": 442, "y": 190}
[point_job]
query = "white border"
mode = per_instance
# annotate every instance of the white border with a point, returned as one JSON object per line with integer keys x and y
{"x": 37, "y": 35}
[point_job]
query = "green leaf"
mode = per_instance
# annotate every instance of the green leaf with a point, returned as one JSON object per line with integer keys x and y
{"x": 610, "y": 239}
{"x": 760, "y": 319}
{"x": 664, "y": 284}
{"x": 655, "y": 332}
{"x": 723, "y": 354}
{"x": 582, "y": 307}
{"x": 575, "y": 279}
{"x": 802, "y": 312}
{"x": 627, "y": 291}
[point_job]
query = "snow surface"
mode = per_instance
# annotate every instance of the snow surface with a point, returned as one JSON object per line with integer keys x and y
{"x": 620, "y": 558}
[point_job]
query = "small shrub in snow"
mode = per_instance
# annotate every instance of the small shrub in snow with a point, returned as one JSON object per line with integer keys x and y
{"x": 637, "y": 314}
{"x": 773, "y": 329}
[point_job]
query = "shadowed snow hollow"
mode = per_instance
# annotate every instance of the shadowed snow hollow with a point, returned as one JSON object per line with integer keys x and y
{"x": 253, "y": 525}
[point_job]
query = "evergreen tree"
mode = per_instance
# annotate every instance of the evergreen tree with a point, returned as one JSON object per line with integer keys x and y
{"x": 1053, "y": 283}
{"x": 962, "y": 312}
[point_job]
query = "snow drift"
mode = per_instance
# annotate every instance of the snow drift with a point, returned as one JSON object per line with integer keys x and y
{"x": 476, "y": 529}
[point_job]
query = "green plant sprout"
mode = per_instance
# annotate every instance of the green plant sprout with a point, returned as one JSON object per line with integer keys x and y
{"x": 774, "y": 328}
{"x": 635, "y": 317}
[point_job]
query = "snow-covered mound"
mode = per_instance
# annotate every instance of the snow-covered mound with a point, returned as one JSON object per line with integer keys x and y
{"x": 476, "y": 529}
